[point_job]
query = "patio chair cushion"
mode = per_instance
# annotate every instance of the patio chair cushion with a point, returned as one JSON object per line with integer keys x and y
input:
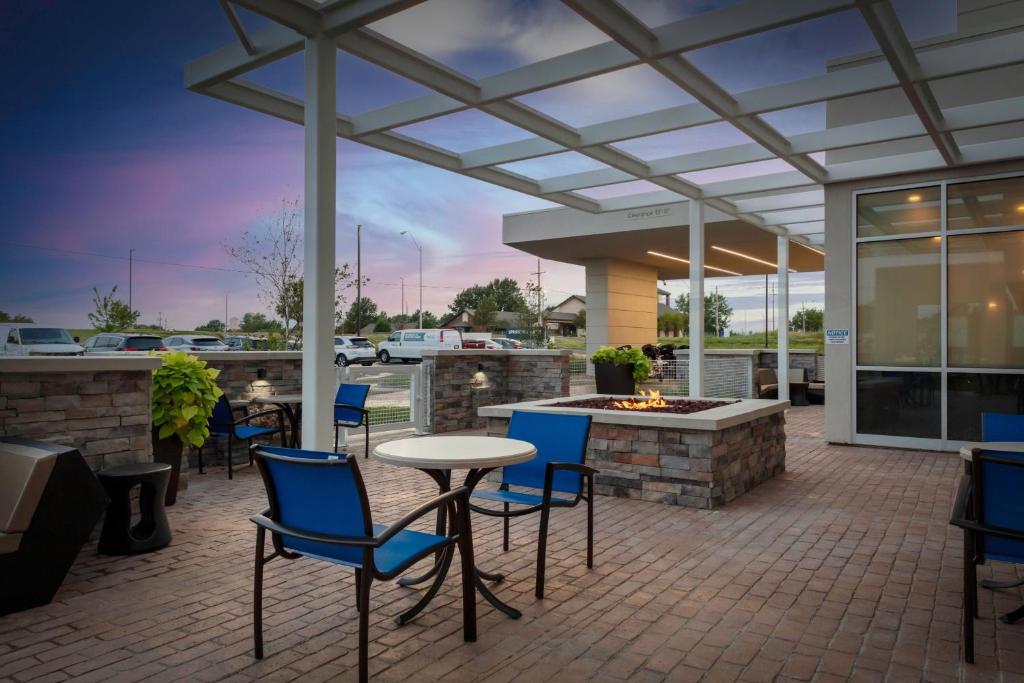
{"x": 24, "y": 473}
{"x": 9, "y": 543}
{"x": 797, "y": 375}
{"x": 387, "y": 558}
{"x": 514, "y": 497}
{"x": 766, "y": 377}
{"x": 1002, "y": 506}
{"x": 558, "y": 438}
{"x": 246, "y": 432}
{"x": 350, "y": 395}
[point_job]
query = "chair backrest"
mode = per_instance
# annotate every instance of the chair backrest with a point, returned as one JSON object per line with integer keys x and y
{"x": 797, "y": 375}
{"x": 24, "y": 473}
{"x": 558, "y": 438}
{"x": 316, "y": 492}
{"x": 999, "y": 479}
{"x": 766, "y": 376}
{"x": 350, "y": 395}
{"x": 221, "y": 418}
{"x": 1002, "y": 427}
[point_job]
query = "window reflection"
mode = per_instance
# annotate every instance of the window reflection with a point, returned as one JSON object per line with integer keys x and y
{"x": 971, "y": 394}
{"x": 985, "y": 204}
{"x": 899, "y": 403}
{"x": 899, "y": 212}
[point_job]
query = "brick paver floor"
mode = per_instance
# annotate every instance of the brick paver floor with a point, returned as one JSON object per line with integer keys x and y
{"x": 843, "y": 568}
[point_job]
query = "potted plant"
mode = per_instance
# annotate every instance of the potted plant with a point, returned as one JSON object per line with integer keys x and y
{"x": 616, "y": 371}
{"x": 184, "y": 394}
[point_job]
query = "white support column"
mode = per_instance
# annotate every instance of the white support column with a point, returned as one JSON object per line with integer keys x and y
{"x": 696, "y": 297}
{"x": 320, "y": 119}
{"x": 782, "y": 316}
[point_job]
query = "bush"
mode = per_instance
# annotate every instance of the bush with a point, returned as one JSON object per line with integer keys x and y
{"x": 184, "y": 394}
{"x": 635, "y": 357}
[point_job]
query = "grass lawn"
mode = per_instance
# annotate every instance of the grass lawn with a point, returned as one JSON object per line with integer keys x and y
{"x": 388, "y": 414}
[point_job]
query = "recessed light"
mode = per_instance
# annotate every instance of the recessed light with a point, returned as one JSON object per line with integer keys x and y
{"x": 748, "y": 257}
{"x": 682, "y": 260}
{"x": 914, "y": 198}
{"x": 1020, "y": 208}
{"x": 993, "y": 304}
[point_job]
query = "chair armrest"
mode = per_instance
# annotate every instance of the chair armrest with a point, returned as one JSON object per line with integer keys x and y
{"x": 461, "y": 492}
{"x": 365, "y": 414}
{"x": 277, "y": 528}
{"x": 573, "y": 467}
{"x": 262, "y": 413}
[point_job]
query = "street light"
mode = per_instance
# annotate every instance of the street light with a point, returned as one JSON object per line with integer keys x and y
{"x": 420, "y": 249}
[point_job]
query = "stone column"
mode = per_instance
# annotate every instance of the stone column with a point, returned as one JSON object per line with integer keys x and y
{"x": 622, "y": 304}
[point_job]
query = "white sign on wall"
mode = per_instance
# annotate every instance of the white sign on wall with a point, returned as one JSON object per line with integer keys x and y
{"x": 837, "y": 336}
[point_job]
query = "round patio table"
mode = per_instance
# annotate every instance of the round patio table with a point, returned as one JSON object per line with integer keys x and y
{"x": 1004, "y": 446}
{"x": 291, "y": 404}
{"x": 437, "y": 456}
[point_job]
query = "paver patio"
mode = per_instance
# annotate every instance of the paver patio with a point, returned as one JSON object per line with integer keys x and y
{"x": 844, "y": 567}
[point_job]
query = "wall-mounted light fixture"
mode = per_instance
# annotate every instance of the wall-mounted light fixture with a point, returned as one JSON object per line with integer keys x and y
{"x": 261, "y": 373}
{"x": 479, "y": 379}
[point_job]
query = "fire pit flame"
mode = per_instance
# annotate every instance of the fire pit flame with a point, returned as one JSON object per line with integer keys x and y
{"x": 647, "y": 401}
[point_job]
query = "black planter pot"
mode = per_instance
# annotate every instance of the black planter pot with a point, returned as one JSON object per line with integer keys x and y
{"x": 614, "y": 379}
{"x": 169, "y": 451}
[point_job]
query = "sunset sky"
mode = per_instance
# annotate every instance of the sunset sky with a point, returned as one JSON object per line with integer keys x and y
{"x": 104, "y": 150}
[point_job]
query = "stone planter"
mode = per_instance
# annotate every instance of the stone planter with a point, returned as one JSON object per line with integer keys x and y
{"x": 169, "y": 451}
{"x": 613, "y": 379}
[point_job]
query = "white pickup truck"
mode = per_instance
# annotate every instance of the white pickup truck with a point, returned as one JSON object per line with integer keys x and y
{"x": 25, "y": 339}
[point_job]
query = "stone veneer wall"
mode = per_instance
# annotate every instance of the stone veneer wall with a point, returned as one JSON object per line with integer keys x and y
{"x": 693, "y": 468}
{"x": 513, "y": 376}
{"x": 101, "y": 406}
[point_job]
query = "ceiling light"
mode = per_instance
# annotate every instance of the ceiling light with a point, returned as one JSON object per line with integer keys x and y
{"x": 814, "y": 249}
{"x": 993, "y": 304}
{"x": 682, "y": 260}
{"x": 914, "y": 198}
{"x": 748, "y": 257}
{"x": 1020, "y": 208}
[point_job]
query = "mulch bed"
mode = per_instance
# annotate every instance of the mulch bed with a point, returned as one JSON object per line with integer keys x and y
{"x": 677, "y": 406}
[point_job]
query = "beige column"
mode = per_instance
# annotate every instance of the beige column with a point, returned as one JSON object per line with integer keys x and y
{"x": 622, "y": 304}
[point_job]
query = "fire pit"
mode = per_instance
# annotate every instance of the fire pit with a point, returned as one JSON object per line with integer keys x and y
{"x": 668, "y": 449}
{"x": 652, "y": 402}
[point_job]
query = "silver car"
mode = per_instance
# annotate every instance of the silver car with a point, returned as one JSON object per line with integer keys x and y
{"x": 192, "y": 343}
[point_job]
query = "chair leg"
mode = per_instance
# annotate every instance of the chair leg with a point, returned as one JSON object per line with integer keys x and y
{"x": 970, "y": 598}
{"x": 465, "y": 543}
{"x": 542, "y": 547}
{"x": 590, "y": 522}
{"x": 257, "y": 595}
{"x": 249, "y": 444}
{"x": 359, "y": 583}
{"x": 364, "y": 623}
{"x": 231, "y": 447}
{"x": 366, "y": 440}
{"x": 504, "y": 538}
{"x": 335, "y": 437}
{"x": 199, "y": 455}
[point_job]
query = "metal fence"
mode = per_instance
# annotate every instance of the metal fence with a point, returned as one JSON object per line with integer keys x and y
{"x": 396, "y": 398}
{"x": 724, "y": 377}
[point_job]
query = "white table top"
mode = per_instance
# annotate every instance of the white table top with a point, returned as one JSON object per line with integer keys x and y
{"x": 454, "y": 452}
{"x": 1005, "y": 446}
{"x": 276, "y": 399}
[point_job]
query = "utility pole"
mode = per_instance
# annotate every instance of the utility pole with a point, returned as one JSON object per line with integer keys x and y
{"x": 226, "y": 313}
{"x": 766, "y": 310}
{"x": 420, "y": 250}
{"x": 403, "y": 298}
{"x": 359, "y": 278}
{"x": 718, "y": 319}
{"x": 540, "y": 307}
{"x": 131, "y": 258}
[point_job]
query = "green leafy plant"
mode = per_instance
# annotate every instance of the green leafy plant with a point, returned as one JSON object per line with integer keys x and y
{"x": 635, "y": 357}
{"x": 184, "y": 394}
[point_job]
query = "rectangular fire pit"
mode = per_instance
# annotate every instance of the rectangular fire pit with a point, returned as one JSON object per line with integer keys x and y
{"x": 700, "y": 459}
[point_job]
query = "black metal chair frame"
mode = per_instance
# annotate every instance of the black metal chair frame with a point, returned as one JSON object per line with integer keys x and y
{"x": 454, "y": 502}
{"x": 967, "y": 514}
{"x": 364, "y": 421}
{"x": 544, "y": 508}
{"x": 232, "y": 436}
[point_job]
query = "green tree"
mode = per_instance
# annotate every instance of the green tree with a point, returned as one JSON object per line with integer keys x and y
{"x": 808, "y": 320}
{"x": 486, "y": 313}
{"x": 580, "y": 319}
{"x": 382, "y": 324}
{"x": 714, "y": 305}
{"x": 289, "y": 304}
{"x": 212, "y": 326}
{"x": 671, "y": 323}
{"x": 505, "y": 291}
{"x": 6, "y": 317}
{"x": 370, "y": 313}
{"x": 430, "y": 321}
{"x": 111, "y": 314}
{"x": 257, "y": 322}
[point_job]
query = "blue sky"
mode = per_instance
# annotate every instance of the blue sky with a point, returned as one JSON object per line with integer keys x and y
{"x": 105, "y": 151}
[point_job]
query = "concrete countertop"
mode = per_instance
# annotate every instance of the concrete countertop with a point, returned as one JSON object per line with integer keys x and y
{"x": 77, "y": 363}
{"x": 430, "y": 353}
{"x": 715, "y": 419}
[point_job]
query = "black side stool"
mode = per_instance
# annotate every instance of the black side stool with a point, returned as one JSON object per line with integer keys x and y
{"x": 152, "y": 532}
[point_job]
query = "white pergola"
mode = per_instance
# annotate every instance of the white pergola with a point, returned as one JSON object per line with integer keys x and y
{"x": 788, "y": 204}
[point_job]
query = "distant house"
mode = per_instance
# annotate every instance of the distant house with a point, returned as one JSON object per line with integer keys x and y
{"x": 561, "y": 319}
{"x": 463, "y": 321}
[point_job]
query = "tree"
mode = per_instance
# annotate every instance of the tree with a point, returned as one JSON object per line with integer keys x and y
{"x": 808, "y": 320}
{"x": 370, "y": 313}
{"x": 486, "y": 313}
{"x": 506, "y": 293}
{"x": 671, "y": 323}
{"x": 291, "y": 300}
{"x": 580, "y": 319}
{"x": 430, "y": 321}
{"x": 111, "y": 313}
{"x": 6, "y": 317}
{"x": 257, "y": 322}
{"x": 382, "y": 324}
{"x": 212, "y": 326}
{"x": 714, "y": 305}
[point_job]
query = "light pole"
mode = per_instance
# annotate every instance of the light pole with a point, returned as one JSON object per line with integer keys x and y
{"x": 359, "y": 279}
{"x": 420, "y": 249}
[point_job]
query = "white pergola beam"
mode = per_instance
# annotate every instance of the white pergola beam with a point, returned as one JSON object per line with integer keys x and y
{"x": 696, "y": 268}
{"x": 800, "y": 200}
{"x": 295, "y": 15}
{"x": 782, "y": 317}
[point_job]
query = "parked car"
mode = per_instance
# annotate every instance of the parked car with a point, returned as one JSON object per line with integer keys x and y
{"x": 510, "y": 344}
{"x": 241, "y": 342}
{"x": 351, "y": 350}
{"x": 408, "y": 345}
{"x": 116, "y": 341}
{"x": 480, "y": 340}
{"x": 26, "y": 339}
{"x": 191, "y": 342}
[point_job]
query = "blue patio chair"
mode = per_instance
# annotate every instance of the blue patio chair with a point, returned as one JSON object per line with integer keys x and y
{"x": 990, "y": 509}
{"x": 561, "y": 442}
{"x": 350, "y": 411}
{"x": 319, "y": 509}
{"x": 223, "y": 423}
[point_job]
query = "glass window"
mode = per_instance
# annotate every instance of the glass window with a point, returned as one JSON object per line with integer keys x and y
{"x": 985, "y": 204}
{"x": 985, "y": 284}
{"x": 899, "y": 212}
{"x": 898, "y": 302}
{"x": 899, "y": 403}
{"x": 971, "y": 394}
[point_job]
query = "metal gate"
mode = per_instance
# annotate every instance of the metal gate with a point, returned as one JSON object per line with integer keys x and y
{"x": 397, "y": 395}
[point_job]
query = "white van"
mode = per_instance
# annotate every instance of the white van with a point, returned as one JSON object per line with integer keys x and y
{"x": 408, "y": 345}
{"x": 24, "y": 339}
